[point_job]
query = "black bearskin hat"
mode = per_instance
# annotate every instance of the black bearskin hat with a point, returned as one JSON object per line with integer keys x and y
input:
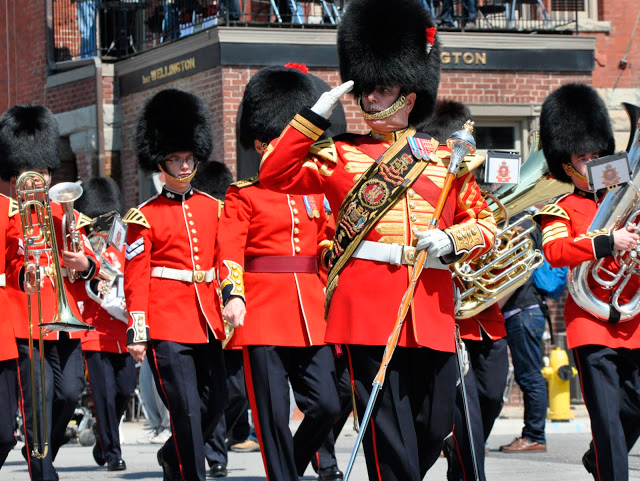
{"x": 213, "y": 178}
{"x": 385, "y": 43}
{"x": 447, "y": 117}
{"x": 99, "y": 196}
{"x": 173, "y": 121}
{"x": 574, "y": 120}
{"x": 29, "y": 139}
{"x": 273, "y": 96}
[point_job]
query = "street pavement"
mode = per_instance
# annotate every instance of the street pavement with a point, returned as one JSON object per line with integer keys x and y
{"x": 566, "y": 442}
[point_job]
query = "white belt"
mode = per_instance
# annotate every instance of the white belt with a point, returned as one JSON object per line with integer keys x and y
{"x": 185, "y": 276}
{"x": 395, "y": 254}
{"x": 3, "y": 280}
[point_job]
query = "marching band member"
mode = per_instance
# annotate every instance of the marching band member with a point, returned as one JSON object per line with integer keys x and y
{"x": 111, "y": 370}
{"x": 170, "y": 283}
{"x": 8, "y": 349}
{"x": 395, "y": 80}
{"x": 484, "y": 336}
{"x": 273, "y": 295}
{"x": 574, "y": 129}
{"x": 29, "y": 141}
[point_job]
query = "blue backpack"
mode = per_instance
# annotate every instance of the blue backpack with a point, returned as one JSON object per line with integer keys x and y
{"x": 550, "y": 281}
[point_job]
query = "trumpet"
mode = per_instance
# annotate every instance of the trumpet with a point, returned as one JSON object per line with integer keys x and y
{"x": 65, "y": 194}
{"x": 39, "y": 238}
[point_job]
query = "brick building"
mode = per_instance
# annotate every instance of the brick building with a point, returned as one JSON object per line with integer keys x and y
{"x": 502, "y": 71}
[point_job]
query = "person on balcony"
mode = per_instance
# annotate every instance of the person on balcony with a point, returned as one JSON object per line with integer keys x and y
{"x": 468, "y": 14}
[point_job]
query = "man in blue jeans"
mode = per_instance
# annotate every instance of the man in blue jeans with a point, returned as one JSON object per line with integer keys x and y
{"x": 468, "y": 14}
{"x": 525, "y": 323}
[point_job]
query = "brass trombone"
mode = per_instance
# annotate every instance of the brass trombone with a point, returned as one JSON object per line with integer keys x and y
{"x": 39, "y": 238}
{"x": 65, "y": 194}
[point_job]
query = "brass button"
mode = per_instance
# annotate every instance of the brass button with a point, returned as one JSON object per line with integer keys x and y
{"x": 296, "y": 230}
{"x": 198, "y": 266}
{"x": 297, "y": 248}
{"x": 236, "y": 274}
{"x": 295, "y": 211}
{"x": 411, "y": 193}
{"x": 413, "y": 217}
{"x": 189, "y": 214}
{"x": 195, "y": 240}
{"x": 193, "y": 231}
{"x": 196, "y": 258}
{"x": 412, "y": 205}
{"x": 190, "y": 222}
{"x": 186, "y": 206}
{"x": 296, "y": 240}
{"x": 293, "y": 202}
{"x": 296, "y": 221}
{"x": 195, "y": 249}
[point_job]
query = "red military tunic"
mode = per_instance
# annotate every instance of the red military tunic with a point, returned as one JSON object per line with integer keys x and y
{"x": 18, "y": 299}
{"x": 566, "y": 242}
{"x": 490, "y": 321}
{"x": 365, "y": 303}
{"x": 283, "y": 308}
{"x": 9, "y": 253}
{"x": 110, "y": 333}
{"x": 175, "y": 231}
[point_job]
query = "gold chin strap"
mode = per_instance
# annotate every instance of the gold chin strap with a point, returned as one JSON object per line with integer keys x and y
{"x": 575, "y": 173}
{"x": 397, "y": 105}
{"x": 184, "y": 180}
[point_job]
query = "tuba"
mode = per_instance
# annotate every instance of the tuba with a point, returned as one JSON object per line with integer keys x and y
{"x": 65, "y": 194}
{"x": 105, "y": 291}
{"x": 619, "y": 207}
{"x": 484, "y": 281}
{"x": 39, "y": 238}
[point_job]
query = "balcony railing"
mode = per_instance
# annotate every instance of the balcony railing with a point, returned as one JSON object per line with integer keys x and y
{"x": 117, "y": 29}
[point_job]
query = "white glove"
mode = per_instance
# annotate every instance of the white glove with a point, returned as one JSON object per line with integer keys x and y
{"x": 435, "y": 241}
{"x": 328, "y": 100}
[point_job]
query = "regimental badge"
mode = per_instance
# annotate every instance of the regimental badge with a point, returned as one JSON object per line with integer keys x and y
{"x": 373, "y": 193}
{"x": 311, "y": 206}
{"x": 610, "y": 176}
{"x": 504, "y": 173}
{"x": 356, "y": 216}
{"x": 393, "y": 172}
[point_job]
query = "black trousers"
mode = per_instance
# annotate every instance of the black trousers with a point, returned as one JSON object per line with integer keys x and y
{"x": 485, "y": 383}
{"x": 9, "y": 403}
{"x": 235, "y": 411}
{"x": 64, "y": 382}
{"x": 190, "y": 379}
{"x": 413, "y": 412}
{"x": 311, "y": 372}
{"x": 610, "y": 380}
{"x": 112, "y": 379}
{"x": 326, "y": 455}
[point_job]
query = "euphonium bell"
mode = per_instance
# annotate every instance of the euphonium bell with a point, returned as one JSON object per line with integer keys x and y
{"x": 511, "y": 262}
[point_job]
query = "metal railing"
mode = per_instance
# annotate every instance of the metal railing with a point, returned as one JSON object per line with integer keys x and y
{"x": 117, "y": 29}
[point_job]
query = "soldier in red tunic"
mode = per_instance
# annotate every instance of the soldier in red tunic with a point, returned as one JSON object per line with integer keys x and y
{"x": 111, "y": 370}
{"x": 170, "y": 281}
{"x": 384, "y": 196}
{"x": 574, "y": 129}
{"x": 269, "y": 263}
{"x": 29, "y": 141}
{"x": 8, "y": 349}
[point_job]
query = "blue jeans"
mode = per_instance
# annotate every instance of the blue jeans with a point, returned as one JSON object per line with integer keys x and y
{"x": 87, "y": 28}
{"x": 524, "y": 335}
{"x": 468, "y": 12}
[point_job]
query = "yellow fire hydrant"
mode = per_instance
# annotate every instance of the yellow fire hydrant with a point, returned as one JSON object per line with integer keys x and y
{"x": 558, "y": 374}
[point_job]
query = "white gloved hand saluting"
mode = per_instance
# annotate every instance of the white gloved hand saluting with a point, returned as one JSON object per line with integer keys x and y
{"x": 328, "y": 100}
{"x": 435, "y": 241}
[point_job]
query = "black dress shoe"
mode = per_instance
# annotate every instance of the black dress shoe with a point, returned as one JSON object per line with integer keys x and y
{"x": 218, "y": 470}
{"x": 168, "y": 473}
{"x": 589, "y": 465}
{"x": 330, "y": 474}
{"x": 117, "y": 465}
{"x": 98, "y": 455}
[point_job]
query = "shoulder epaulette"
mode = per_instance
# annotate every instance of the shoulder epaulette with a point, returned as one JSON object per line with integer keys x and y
{"x": 246, "y": 182}
{"x": 13, "y": 207}
{"x": 325, "y": 149}
{"x": 83, "y": 220}
{"x": 553, "y": 209}
{"x": 134, "y": 216}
